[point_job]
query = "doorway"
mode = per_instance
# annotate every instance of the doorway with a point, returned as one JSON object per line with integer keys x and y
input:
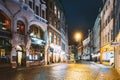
{"x": 21, "y": 57}
{"x": 19, "y": 60}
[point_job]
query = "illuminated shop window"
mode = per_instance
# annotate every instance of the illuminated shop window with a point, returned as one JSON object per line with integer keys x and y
{"x": 4, "y": 22}
{"x": 20, "y": 27}
{"x": 50, "y": 37}
{"x": 2, "y": 51}
{"x": 36, "y": 32}
{"x": 36, "y": 57}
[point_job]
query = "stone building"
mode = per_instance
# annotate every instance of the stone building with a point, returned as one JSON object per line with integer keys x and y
{"x": 24, "y": 25}
{"x": 86, "y": 49}
{"x": 117, "y": 35}
{"x": 57, "y": 32}
{"x": 107, "y": 24}
{"x": 96, "y": 39}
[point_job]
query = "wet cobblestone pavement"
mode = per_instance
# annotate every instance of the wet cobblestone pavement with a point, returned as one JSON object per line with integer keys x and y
{"x": 63, "y": 71}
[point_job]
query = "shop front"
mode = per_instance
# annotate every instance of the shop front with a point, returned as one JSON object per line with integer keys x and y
{"x": 37, "y": 54}
{"x": 107, "y": 55}
{"x": 5, "y": 38}
{"x": 37, "y": 48}
{"x": 54, "y": 53}
{"x": 5, "y": 49}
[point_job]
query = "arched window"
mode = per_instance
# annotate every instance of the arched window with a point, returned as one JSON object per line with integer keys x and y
{"x": 20, "y": 27}
{"x": 36, "y": 32}
{"x": 4, "y": 22}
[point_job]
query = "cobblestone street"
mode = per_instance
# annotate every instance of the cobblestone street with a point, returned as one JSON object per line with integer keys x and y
{"x": 62, "y": 71}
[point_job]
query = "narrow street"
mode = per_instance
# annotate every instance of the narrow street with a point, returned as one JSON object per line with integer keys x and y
{"x": 63, "y": 71}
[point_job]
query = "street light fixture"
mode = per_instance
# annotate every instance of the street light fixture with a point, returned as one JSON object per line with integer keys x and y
{"x": 78, "y": 39}
{"x": 77, "y": 36}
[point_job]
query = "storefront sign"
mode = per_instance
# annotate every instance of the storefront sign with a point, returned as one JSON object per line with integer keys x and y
{"x": 115, "y": 43}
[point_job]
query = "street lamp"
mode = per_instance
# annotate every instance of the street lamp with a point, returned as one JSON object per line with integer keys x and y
{"x": 77, "y": 36}
{"x": 78, "y": 39}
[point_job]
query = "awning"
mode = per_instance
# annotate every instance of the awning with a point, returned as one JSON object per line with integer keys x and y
{"x": 38, "y": 41}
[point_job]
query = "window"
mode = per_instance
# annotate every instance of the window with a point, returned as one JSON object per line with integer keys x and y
{"x": 50, "y": 20}
{"x": 105, "y": 38}
{"x": 106, "y": 7}
{"x": 34, "y": 5}
{"x": 30, "y": 4}
{"x": 51, "y": 37}
{"x": 20, "y": 27}
{"x": 55, "y": 10}
{"x": 51, "y": 5}
{"x": 103, "y": 26}
{"x": 55, "y": 24}
{"x": 36, "y": 32}
{"x": 43, "y": 14}
{"x": 108, "y": 2}
{"x": 108, "y": 37}
{"x": 37, "y": 10}
{"x": 111, "y": 34}
{"x": 103, "y": 12}
{"x": 55, "y": 41}
{"x": 58, "y": 14}
{"x": 106, "y": 22}
{"x": 112, "y": 14}
{"x": 63, "y": 46}
{"x": 108, "y": 19}
{"x": 58, "y": 40}
{"x": 40, "y": 10}
{"x": 4, "y": 22}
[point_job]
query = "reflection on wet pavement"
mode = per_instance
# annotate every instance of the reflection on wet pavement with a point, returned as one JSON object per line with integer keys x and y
{"x": 63, "y": 72}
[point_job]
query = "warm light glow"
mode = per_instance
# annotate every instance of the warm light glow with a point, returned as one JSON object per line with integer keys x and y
{"x": 77, "y": 36}
{"x": 118, "y": 36}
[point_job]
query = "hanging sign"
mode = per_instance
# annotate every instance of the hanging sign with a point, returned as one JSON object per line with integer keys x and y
{"x": 115, "y": 44}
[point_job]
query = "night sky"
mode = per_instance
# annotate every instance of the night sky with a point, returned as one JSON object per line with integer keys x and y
{"x": 80, "y": 15}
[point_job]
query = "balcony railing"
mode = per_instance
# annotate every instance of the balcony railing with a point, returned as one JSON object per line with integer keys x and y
{"x": 41, "y": 19}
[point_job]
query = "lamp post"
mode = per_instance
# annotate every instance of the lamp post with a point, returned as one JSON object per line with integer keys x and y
{"x": 78, "y": 38}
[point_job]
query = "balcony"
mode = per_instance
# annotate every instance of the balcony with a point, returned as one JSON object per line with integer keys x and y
{"x": 41, "y": 19}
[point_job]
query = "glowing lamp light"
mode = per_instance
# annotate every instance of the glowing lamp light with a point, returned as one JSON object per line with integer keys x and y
{"x": 77, "y": 36}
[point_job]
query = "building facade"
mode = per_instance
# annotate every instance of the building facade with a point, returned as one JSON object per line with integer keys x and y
{"x": 107, "y": 24}
{"x": 73, "y": 52}
{"x": 24, "y": 25}
{"x": 117, "y": 35}
{"x": 86, "y": 49}
{"x": 96, "y": 39}
{"x": 57, "y": 32}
